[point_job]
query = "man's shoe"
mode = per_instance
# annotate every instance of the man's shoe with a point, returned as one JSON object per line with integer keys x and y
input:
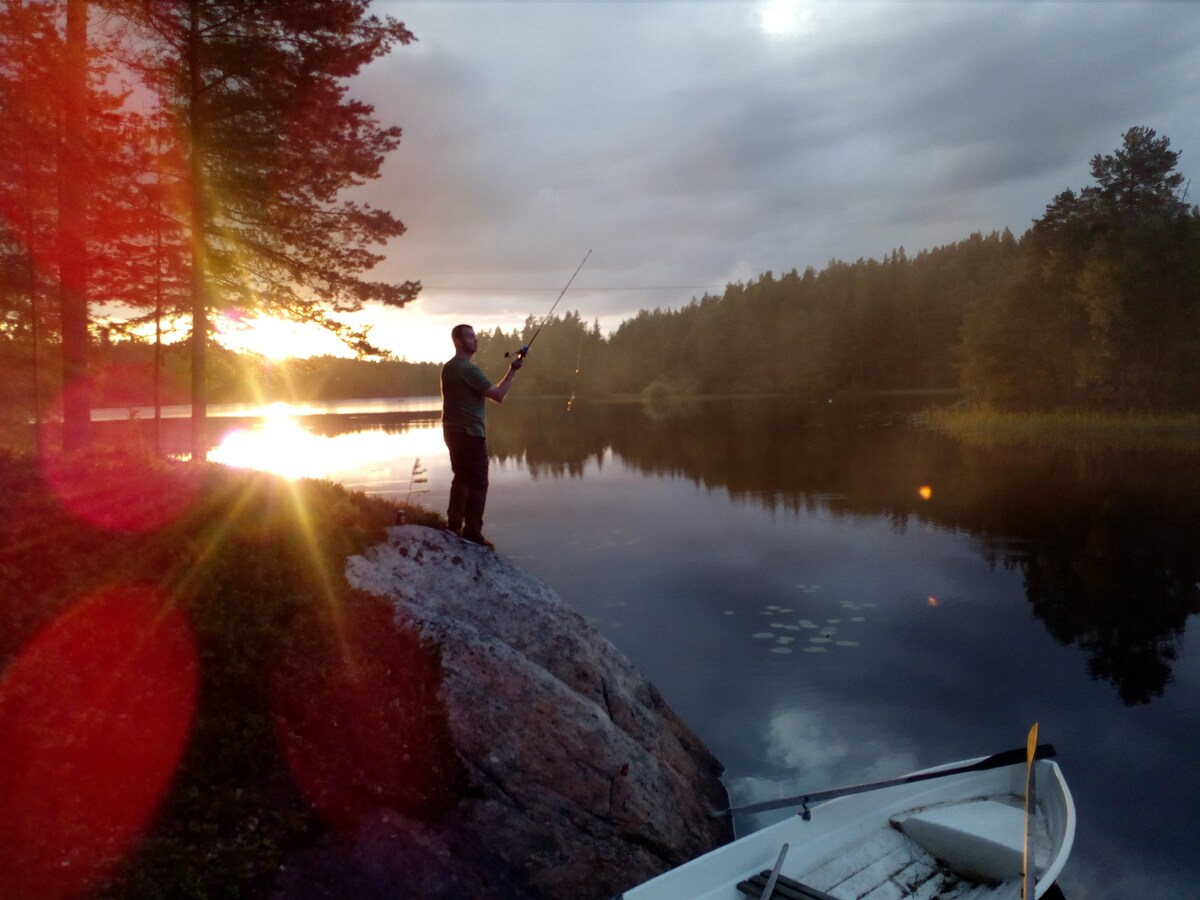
{"x": 477, "y": 538}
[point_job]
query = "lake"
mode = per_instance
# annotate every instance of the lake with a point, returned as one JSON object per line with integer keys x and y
{"x": 829, "y": 595}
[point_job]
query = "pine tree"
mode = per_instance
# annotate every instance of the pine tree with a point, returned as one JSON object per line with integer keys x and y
{"x": 73, "y": 184}
{"x": 59, "y": 140}
{"x": 30, "y": 57}
{"x": 271, "y": 139}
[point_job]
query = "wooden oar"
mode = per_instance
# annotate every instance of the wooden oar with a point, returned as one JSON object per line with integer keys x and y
{"x": 996, "y": 761}
{"x": 1029, "y": 881}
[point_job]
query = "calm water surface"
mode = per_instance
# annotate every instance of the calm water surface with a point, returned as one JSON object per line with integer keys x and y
{"x": 776, "y": 570}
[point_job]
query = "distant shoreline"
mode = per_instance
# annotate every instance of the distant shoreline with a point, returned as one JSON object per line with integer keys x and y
{"x": 266, "y": 408}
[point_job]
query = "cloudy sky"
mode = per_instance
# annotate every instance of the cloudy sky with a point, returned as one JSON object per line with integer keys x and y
{"x": 689, "y": 145}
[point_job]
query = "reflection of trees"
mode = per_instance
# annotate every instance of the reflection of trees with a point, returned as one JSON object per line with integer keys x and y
{"x": 1104, "y": 539}
{"x": 780, "y": 454}
{"x": 1106, "y": 543}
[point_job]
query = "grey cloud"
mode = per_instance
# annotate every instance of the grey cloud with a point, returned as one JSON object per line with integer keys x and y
{"x": 688, "y": 148}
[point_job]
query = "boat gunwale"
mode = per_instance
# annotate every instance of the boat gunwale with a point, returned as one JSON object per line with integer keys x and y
{"x": 850, "y": 819}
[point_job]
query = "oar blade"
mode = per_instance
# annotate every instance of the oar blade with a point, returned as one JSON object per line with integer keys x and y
{"x": 1029, "y": 881}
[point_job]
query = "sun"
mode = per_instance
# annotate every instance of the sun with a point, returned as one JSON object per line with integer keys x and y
{"x": 274, "y": 337}
{"x": 785, "y": 18}
{"x": 405, "y": 334}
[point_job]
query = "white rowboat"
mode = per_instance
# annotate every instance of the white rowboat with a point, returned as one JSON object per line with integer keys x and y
{"x": 954, "y": 832}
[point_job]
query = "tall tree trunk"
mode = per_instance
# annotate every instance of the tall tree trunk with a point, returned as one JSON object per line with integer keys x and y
{"x": 158, "y": 279}
{"x": 72, "y": 247}
{"x": 199, "y": 261}
{"x": 158, "y": 317}
{"x": 32, "y": 286}
{"x": 35, "y": 337}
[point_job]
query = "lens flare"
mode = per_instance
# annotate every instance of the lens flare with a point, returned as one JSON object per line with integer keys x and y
{"x": 925, "y": 492}
{"x": 120, "y": 490}
{"x": 359, "y": 719}
{"x": 94, "y": 714}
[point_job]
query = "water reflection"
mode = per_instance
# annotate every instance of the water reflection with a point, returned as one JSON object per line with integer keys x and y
{"x": 1106, "y": 544}
{"x": 286, "y": 442}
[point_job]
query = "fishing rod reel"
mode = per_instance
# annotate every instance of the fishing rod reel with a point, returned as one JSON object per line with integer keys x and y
{"x": 519, "y": 354}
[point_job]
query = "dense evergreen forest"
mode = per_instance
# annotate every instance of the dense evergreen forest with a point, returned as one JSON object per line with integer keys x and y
{"x": 1096, "y": 306}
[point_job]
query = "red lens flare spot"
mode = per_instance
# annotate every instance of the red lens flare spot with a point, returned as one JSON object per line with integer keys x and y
{"x": 931, "y": 601}
{"x": 94, "y": 714}
{"x": 359, "y": 718}
{"x": 118, "y": 490}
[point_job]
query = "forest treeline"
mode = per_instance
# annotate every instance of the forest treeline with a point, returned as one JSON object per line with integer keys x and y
{"x": 1096, "y": 306}
{"x": 123, "y": 376}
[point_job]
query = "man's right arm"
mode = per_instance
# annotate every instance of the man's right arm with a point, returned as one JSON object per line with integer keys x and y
{"x": 499, "y": 391}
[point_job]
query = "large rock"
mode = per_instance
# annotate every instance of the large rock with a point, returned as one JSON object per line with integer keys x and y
{"x": 583, "y": 781}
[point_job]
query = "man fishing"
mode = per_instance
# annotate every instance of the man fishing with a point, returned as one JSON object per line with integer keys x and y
{"x": 465, "y": 392}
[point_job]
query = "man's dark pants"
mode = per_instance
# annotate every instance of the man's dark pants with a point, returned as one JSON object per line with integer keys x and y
{"x": 469, "y": 487}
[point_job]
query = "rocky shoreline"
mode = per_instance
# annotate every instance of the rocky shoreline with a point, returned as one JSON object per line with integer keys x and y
{"x": 582, "y": 781}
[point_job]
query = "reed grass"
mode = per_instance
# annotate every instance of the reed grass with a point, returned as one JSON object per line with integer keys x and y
{"x": 1067, "y": 429}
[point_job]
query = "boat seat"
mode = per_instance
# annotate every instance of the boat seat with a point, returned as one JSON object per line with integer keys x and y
{"x": 785, "y": 888}
{"x": 981, "y": 839}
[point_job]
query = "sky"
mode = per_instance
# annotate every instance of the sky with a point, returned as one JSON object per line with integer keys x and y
{"x": 690, "y": 145}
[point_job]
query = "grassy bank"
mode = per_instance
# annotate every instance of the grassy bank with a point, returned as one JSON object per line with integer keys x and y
{"x": 1069, "y": 429}
{"x": 191, "y": 690}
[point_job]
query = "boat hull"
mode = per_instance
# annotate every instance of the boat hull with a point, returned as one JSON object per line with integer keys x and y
{"x": 851, "y": 848}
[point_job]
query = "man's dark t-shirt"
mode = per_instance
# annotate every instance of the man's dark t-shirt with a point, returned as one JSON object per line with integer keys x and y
{"x": 464, "y": 400}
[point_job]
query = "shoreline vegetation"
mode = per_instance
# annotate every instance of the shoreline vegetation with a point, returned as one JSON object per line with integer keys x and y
{"x": 984, "y": 425}
{"x": 213, "y": 598}
{"x": 1066, "y": 429}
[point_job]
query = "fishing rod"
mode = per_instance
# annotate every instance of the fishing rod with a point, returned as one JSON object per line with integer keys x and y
{"x": 520, "y": 354}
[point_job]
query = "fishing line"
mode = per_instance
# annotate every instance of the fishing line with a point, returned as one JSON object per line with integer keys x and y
{"x": 520, "y": 354}
{"x": 578, "y": 360}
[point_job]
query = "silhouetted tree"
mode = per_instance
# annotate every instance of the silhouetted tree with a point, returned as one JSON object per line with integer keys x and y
{"x": 59, "y": 164}
{"x": 1102, "y": 309}
{"x": 271, "y": 140}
